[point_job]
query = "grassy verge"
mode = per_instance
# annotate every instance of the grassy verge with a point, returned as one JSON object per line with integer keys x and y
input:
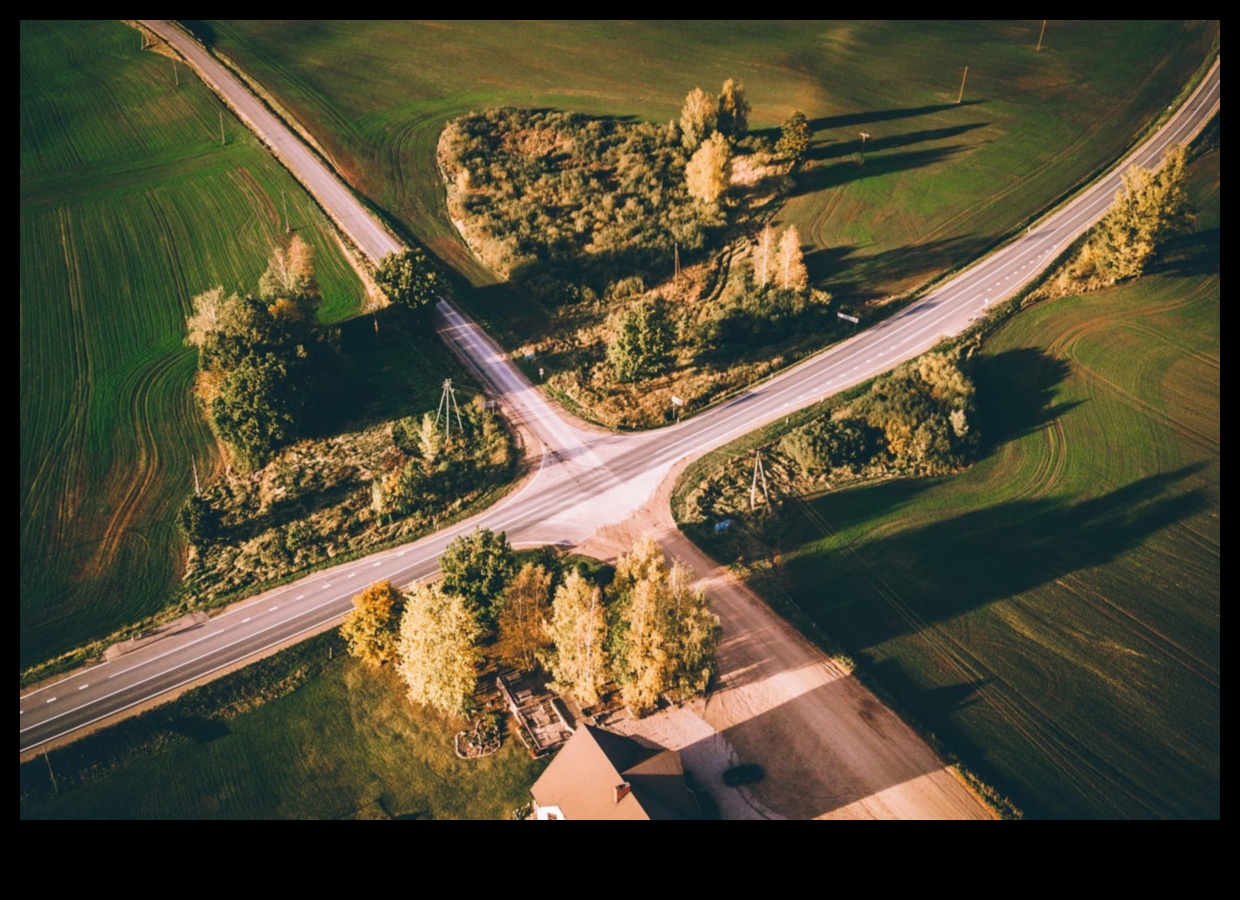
{"x": 306, "y": 734}
{"x": 1051, "y": 615}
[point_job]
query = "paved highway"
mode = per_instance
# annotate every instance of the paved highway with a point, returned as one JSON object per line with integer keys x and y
{"x": 586, "y": 479}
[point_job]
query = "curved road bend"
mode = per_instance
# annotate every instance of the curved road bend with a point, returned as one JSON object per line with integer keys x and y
{"x": 586, "y": 479}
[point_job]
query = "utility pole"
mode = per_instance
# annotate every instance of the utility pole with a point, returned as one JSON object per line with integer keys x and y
{"x": 676, "y": 251}
{"x": 284, "y": 197}
{"x": 221, "y": 128}
{"x": 175, "y": 77}
{"x": 758, "y": 473}
{"x": 48, "y": 760}
{"x": 197, "y": 489}
{"x": 1038, "y": 49}
{"x": 865, "y": 135}
{"x": 447, "y": 406}
{"x": 962, "y": 80}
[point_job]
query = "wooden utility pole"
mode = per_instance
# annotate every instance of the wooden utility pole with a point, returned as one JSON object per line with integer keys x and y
{"x": 175, "y": 77}
{"x": 47, "y": 760}
{"x": 758, "y": 473}
{"x": 1038, "y": 49}
{"x": 676, "y": 251}
{"x": 960, "y": 98}
{"x": 284, "y": 197}
{"x": 447, "y": 406}
{"x": 221, "y": 128}
{"x": 197, "y": 489}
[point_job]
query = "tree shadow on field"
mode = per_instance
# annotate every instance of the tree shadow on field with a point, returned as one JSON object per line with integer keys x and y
{"x": 850, "y": 120}
{"x": 1190, "y": 255}
{"x": 1015, "y": 393}
{"x": 199, "y": 729}
{"x": 948, "y": 567}
{"x": 871, "y": 146}
{"x": 853, "y": 277}
{"x": 825, "y": 177}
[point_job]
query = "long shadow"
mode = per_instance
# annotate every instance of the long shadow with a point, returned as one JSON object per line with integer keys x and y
{"x": 950, "y": 567}
{"x": 1190, "y": 255}
{"x": 877, "y": 757}
{"x": 1015, "y": 393}
{"x": 884, "y": 115}
{"x": 821, "y": 178}
{"x": 832, "y": 150}
{"x": 855, "y": 282}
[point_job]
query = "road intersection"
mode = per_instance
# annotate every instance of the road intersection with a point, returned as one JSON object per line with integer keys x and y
{"x": 586, "y": 479}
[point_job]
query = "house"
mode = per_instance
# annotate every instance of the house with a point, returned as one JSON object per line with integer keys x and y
{"x": 601, "y": 775}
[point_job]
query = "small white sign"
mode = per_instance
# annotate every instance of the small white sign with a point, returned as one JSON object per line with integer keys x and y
{"x": 676, "y": 401}
{"x": 849, "y": 318}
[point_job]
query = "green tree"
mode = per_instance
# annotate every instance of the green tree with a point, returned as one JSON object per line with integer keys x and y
{"x": 793, "y": 275}
{"x": 371, "y": 630}
{"x": 793, "y": 141}
{"x": 258, "y": 407}
{"x": 733, "y": 114}
{"x": 478, "y": 566}
{"x": 697, "y": 118}
{"x": 709, "y": 172}
{"x": 1150, "y": 207}
{"x": 438, "y": 649}
{"x": 664, "y": 633}
{"x": 199, "y": 520}
{"x": 522, "y": 638}
{"x": 410, "y": 278}
{"x": 577, "y": 634}
{"x": 643, "y": 348}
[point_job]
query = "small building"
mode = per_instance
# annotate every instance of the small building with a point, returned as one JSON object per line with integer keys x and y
{"x": 601, "y": 775}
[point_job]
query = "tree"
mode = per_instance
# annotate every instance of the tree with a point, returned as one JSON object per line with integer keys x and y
{"x": 643, "y": 348}
{"x": 527, "y": 600}
{"x": 371, "y": 629}
{"x": 205, "y": 317}
{"x": 410, "y": 278}
{"x": 792, "y": 273}
{"x": 199, "y": 520}
{"x": 577, "y": 632}
{"x": 762, "y": 256}
{"x": 733, "y": 115}
{"x": 664, "y": 635}
{"x": 477, "y": 566}
{"x": 709, "y": 172}
{"x": 1150, "y": 207}
{"x": 258, "y": 407}
{"x": 697, "y": 118}
{"x": 290, "y": 273}
{"x": 793, "y": 140}
{"x": 438, "y": 649}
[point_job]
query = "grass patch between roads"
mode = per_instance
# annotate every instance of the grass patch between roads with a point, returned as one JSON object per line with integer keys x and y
{"x": 1052, "y": 614}
{"x": 297, "y": 736}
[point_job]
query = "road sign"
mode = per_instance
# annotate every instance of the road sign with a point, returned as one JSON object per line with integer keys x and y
{"x": 848, "y": 318}
{"x": 676, "y": 401}
{"x": 722, "y": 526}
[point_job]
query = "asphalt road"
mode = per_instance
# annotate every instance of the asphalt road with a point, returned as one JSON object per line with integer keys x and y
{"x": 587, "y": 479}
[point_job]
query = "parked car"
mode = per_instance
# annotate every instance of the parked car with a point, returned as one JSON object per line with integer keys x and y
{"x": 744, "y": 774}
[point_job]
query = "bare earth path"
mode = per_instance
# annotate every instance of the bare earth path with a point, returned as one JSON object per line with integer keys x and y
{"x": 831, "y": 749}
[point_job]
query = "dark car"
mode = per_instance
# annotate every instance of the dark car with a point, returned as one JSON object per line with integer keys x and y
{"x": 746, "y": 774}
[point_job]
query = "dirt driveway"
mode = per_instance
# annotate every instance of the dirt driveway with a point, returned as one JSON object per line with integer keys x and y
{"x": 831, "y": 749}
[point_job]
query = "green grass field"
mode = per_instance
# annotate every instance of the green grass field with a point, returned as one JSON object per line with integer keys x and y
{"x": 1053, "y": 614}
{"x": 347, "y": 744}
{"x": 129, "y": 206}
{"x": 939, "y": 182}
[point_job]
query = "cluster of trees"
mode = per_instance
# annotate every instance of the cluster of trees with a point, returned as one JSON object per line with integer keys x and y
{"x": 772, "y": 300}
{"x": 1150, "y": 207}
{"x": 709, "y": 128}
{"x": 645, "y": 339}
{"x": 438, "y": 462}
{"x": 916, "y": 418}
{"x": 649, "y": 632}
{"x": 258, "y": 356}
{"x": 567, "y": 204}
{"x": 794, "y": 134}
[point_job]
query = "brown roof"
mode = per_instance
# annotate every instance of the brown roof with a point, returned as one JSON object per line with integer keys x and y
{"x": 583, "y": 777}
